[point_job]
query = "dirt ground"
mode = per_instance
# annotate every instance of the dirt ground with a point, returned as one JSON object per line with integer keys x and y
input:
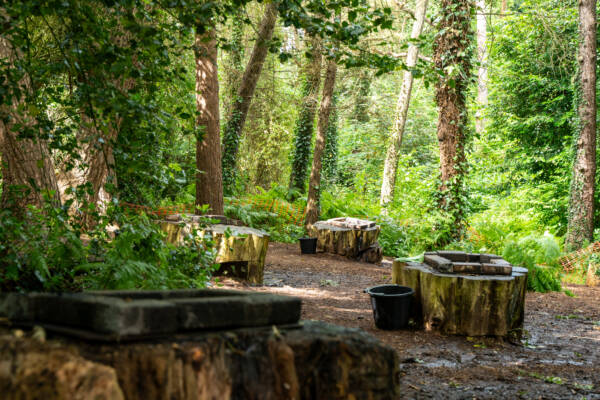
{"x": 559, "y": 357}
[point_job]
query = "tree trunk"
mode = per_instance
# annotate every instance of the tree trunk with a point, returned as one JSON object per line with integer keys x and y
{"x": 314, "y": 186}
{"x": 453, "y": 60}
{"x": 235, "y": 124}
{"x": 361, "y": 107}
{"x": 503, "y": 7}
{"x": 235, "y": 71}
{"x": 331, "y": 150}
{"x": 482, "y": 72}
{"x": 209, "y": 184}
{"x": 306, "y": 117}
{"x": 581, "y": 205}
{"x": 96, "y": 163}
{"x": 390, "y": 166}
{"x": 27, "y": 168}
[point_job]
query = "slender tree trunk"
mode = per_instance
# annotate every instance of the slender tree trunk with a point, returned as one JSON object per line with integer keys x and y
{"x": 482, "y": 72}
{"x": 314, "y": 186}
{"x": 209, "y": 184}
{"x": 237, "y": 119}
{"x": 331, "y": 150}
{"x": 27, "y": 168}
{"x": 306, "y": 116}
{"x": 581, "y": 205}
{"x": 390, "y": 166}
{"x": 503, "y": 7}
{"x": 453, "y": 59}
{"x": 361, "y": 107}
{"x": 236, "y": 57}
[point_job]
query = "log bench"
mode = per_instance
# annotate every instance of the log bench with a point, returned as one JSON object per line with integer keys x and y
{"x": 241, "y": 250}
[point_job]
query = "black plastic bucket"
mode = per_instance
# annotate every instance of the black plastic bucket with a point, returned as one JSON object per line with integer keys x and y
{"x": 391, "y": 305}
{"x": 308, "y": 245}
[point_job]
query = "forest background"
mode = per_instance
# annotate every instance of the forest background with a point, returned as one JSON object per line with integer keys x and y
{"x": 519, "y": 161}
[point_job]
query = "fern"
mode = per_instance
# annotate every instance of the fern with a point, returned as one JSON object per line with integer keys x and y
{"x": 540, "y": 256}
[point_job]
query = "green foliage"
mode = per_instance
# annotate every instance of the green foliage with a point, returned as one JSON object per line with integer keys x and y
{"x": 531, "y": 105}
{"x": 269, "y": 211}
{"x": 303, "y": 134}
{"x": 43, "y": 251}
{"x": 140, "y": 258}
{"x": 540, "y": 256}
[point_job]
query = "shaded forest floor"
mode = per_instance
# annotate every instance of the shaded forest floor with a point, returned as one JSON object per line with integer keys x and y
{"x": 559, "y": 358}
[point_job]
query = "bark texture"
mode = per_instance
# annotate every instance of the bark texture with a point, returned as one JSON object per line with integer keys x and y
{"x": 453, "y": 59}
{"x": 468, "y": 305}
{"x": 96, "y": 139}
{"x": 482, "y": 71}
{"x": 27, "y": 168}
{"x": 237, "y": 119}
{"x": 306, "y": 116}
{"x": 313, "y": 361}
{"x": 390, "y": 166}
{"x": 314, "y": 185}
{"x": 358, "y": 244}
{"x": 583, "y": 186}
{"x": 209, "y": 183}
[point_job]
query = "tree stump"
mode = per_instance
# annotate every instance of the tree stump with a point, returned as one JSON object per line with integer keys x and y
{"x": 463, "y": 304}
{"x": 241, "y": 250}
{"x": 359, "y": 243}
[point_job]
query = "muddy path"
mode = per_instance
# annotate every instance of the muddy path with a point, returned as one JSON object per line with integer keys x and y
{"x": 558, "y": 359}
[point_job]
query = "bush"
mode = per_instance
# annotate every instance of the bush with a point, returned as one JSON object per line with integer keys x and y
{"x": 44, "y": 250}
{"x": 540, "y": 256}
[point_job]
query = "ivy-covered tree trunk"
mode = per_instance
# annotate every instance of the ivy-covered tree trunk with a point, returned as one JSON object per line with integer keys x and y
{"x": 27, "y": 167}
{"x": 209, "y": 184}
{"x": 314, "y": 186}
{"x": 96, "y": 138}
{"x": 583, "y": 187}
{"x": 390, "y": 165}
{"x": 482, "y": 72}
{"x": 235, "y": 123}
{"x": 305, "y": 123}
{"x": 452, "y": 57}
{"x": 235, "y": 70}
{"x": 363, "y": 91}
{"x": 331, "y": 148}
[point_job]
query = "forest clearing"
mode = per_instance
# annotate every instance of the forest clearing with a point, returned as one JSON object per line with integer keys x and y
{"x": 288, "y": 199}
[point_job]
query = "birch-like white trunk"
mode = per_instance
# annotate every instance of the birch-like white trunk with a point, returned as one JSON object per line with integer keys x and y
{"x": 390, "y": 167}
{"x": 482, "y": 73}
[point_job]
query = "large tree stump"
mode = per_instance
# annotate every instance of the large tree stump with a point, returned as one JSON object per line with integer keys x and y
{"x": 241, "y": 250}
{"x": 357, "y": 242}
{"x": 313, "y": 361}
{"x": 461, "y": 304}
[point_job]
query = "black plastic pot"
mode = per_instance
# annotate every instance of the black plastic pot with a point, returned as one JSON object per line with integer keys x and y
{"x": 391, "y": 305}
{"x": 308, "y": 245}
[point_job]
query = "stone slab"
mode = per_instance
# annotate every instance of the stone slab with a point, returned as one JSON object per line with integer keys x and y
{"x": 437, "y": 262}
{"x": 454, "y": 256}
{"x": 496, "y": 269}
{"x": 127, "y": 315}
{"x": 466, "y": 268}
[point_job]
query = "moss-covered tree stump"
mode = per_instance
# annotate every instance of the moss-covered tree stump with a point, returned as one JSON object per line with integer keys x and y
{"x": 359, "y": 243}
{"x": 463, "y": 304}
{"x": 241, "y": 250}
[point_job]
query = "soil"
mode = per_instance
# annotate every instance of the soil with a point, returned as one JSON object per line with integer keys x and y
{"x": 558, "y": 358}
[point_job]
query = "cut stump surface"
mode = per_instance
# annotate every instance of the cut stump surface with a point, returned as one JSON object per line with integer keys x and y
{"x": 462, "y": 304}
